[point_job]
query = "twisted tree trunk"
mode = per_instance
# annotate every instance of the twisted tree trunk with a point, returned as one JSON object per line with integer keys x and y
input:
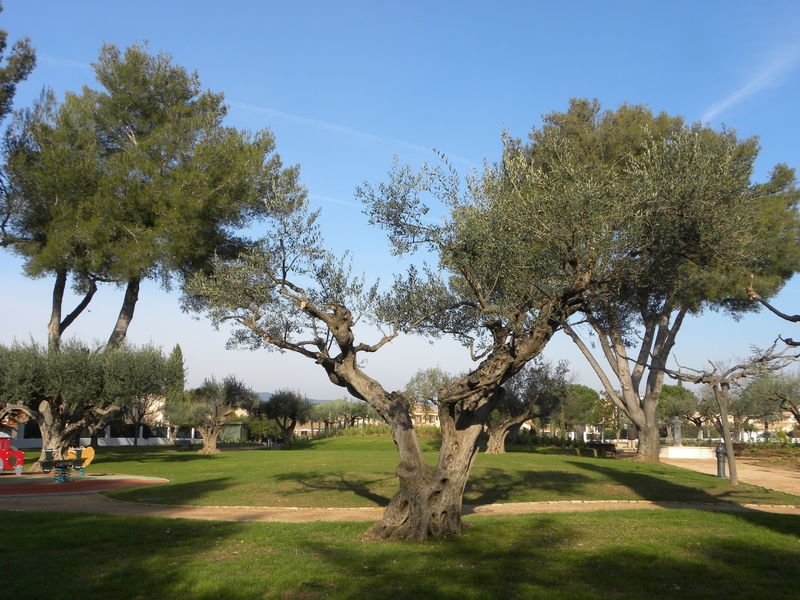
{"x": 429, "y": 500}
{"x": 210, "y": 435}
{"x": 57, "y": 434}
{"x": 497, "y": 440}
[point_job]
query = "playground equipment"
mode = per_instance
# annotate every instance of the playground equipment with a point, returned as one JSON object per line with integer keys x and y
{"x": 75, "y": 459}
{"x": 11, "y": 459}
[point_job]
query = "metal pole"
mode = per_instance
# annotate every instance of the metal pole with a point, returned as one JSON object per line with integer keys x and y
{"x": 720, "y": 451}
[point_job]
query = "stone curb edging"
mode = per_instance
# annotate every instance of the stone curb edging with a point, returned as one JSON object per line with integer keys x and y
{"x": 481, "y": 508}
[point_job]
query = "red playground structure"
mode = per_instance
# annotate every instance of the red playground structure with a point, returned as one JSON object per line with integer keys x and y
{"x": 12, "y": 459}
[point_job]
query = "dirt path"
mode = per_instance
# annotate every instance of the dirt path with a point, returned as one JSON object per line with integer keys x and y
{"x": 97, "y": 504}
{"x": 749, "y": 470}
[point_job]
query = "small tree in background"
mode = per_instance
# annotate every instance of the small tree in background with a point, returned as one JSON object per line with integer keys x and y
{"x": 212, "y": 404}
{"x": 352, "y": 411}
{"x": 287, "y": 408}
{"x": 535, "y": 392}
{"x": 720, "y": 378}
{"x": 765, "y": 395}
{"x": 138, "y": 380}
{"x": 179, "y": 413}
{"x": 423, "y": 388}
{"x": 787, "y": 390}
{"x": 326, "y": 413}
{"x": 260, "y": 428}
{"x": 676, "y": 402}
{"x": 578, "y": 406}
{"x": 176, "y": 411}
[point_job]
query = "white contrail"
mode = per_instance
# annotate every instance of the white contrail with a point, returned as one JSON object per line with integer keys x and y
{"x": 335, "y": 200}
{"x": 335, "y": 127}
{"x": 56, "y": 61}
{"x": 783, "y": 63}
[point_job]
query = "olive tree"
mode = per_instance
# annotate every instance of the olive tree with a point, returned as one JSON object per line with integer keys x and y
{"x": 210, "y": 406}
{"x": 787, "y": 390}
{"x": 62, "y": 391}
{"x": 139, "y": 380}
{"x": 75, "y": 387}
{"x": 536, "y": 392}
{"x": 520, "y": 249}
{"x": 287, "y": 408}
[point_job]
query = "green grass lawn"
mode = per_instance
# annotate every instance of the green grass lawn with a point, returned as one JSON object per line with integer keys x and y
{"x": 359, "y": 471}
{"x": 622, "y": 555}
{"x": 593, "y": 555}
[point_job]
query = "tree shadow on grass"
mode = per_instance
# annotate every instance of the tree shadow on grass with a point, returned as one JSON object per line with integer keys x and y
{"x": 153, "y": 456}
{"x": 338, "y": 482}
{"x": 617, "y": 556}
{"x": 544, "y": 558}
{"x": 653, "y": 488}
{"x": 666, "y": 493}
{"x": 172, "y": 493}
{"x": 498, "y": 485}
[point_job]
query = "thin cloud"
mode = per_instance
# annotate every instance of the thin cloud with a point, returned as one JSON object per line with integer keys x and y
{"x": 784, "y": 62}
{"x": 343, "y": 129}
{"x": 56, "y": 61}
{"x": 335, "y": 201}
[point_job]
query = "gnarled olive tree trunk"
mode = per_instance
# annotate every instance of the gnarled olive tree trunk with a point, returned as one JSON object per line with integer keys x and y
{"x": 58, "y": 432}
{"x": 210, "y": 435}
{"x": 496, "y": 443}
{"x": 498, "y": 432}
{"x": 429, "y": 500}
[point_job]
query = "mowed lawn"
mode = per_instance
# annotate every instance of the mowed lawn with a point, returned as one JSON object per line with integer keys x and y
{"x": 665, "y": 554}
{"x": 360, "y": 471}
{"x": 660, "y": 554}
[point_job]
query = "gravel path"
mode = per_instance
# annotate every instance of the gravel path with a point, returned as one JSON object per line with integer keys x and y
{"x": 752, "y": 471}
{"x": 97, "y": 504}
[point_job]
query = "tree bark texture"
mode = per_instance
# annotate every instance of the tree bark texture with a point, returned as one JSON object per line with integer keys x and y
{"x": 722, "y": 395}
{"x": 429, "y": 500}
{"x": 497, "y": 440}
{"x": 647, "y": 430}
{"x": 210, "y": 436}
{"x": 57, "y": 434}
{"x": 125, "y": 314}
{"x": 54, "y": 325}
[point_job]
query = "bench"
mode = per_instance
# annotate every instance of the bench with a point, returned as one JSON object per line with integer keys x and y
{"x": 183, "y": 443}
{"x": 602, "y": 449}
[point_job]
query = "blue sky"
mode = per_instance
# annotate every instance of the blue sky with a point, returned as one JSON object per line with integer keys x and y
{"x": 346, "y": 86}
